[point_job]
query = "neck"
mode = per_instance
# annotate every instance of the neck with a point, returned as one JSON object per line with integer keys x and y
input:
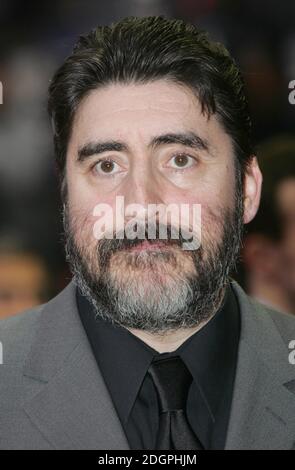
{"x": 167, "y": 342}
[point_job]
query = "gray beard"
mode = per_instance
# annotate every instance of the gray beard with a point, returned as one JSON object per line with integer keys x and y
{"x": 180, "y": 302}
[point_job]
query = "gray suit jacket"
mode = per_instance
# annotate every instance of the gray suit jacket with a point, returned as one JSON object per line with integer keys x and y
{"x": 53, "y": 396}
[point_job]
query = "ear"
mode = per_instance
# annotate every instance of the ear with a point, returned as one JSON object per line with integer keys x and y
{"x": 252, "y": 189}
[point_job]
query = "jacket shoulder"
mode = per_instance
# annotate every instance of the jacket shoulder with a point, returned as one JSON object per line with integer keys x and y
{"x": 284, "y": 322}
{"x": 16, "y": 333}
{"x": 266, "y": 316}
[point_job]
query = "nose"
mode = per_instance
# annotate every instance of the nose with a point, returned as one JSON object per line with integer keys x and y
{"x": 143, "y": 190}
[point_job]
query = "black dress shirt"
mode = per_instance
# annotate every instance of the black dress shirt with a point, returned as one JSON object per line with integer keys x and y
{"x": 210, "y": 354}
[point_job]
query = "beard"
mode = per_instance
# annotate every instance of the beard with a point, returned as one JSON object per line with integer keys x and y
{"x": 156, "y": 290}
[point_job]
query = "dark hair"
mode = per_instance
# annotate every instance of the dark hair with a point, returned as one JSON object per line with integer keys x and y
{"x": 147, "y": 49}
{"x": 276, "y": 158}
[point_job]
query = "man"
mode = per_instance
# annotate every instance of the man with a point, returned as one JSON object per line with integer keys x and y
{"x": 152, "y": 345}
{"x": 269, "y": 246}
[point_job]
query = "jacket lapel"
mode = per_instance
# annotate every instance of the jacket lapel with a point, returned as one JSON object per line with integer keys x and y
{"x": 263, "y": 406}
{"x": 72, "y": 408}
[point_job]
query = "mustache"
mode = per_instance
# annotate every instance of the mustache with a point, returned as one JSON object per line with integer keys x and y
{"x": 173, "y": 236}
{"x": 106, "y": 247}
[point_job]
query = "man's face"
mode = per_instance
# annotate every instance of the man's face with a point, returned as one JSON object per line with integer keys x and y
{"x": 151, "y": 287}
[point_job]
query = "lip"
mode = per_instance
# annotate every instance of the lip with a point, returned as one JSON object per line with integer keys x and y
{"x": 148, "y": 246}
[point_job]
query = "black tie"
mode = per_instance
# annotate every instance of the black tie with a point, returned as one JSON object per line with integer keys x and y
{"x": 172, "y": 380}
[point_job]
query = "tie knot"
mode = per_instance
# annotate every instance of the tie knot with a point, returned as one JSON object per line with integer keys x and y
{"x": 172, "y": 379}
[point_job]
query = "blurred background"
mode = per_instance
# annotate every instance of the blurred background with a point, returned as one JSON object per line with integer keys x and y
{"x": 35, "y": 39}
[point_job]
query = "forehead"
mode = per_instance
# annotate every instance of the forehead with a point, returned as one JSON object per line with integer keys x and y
{"x": 154, "y": 97}
{"x": 137, "y": 111}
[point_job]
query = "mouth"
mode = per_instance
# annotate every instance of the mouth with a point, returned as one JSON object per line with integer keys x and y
{"x": 146, "y": 245}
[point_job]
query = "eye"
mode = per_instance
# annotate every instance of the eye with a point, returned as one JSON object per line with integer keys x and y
{"x": 183, "y": 161}
{"x": 106, "y": 166}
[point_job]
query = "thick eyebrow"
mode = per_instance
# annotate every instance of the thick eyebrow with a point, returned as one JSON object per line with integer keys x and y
{"x": 189, "y": 139}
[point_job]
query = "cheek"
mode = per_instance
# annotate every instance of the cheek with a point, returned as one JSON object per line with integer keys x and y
{"x": 215, "y": 189}
{"x": 79, "y": 195}
{"x": 81, "y": 225}
{"x": 83, "y": 200}
{"x": 211, "y": 199}
{"x": 86, "y": 213}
